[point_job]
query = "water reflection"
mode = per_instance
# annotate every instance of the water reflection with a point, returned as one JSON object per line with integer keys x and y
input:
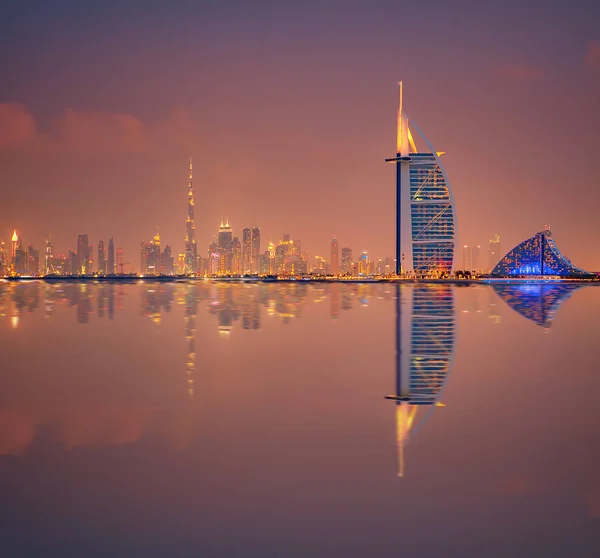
{"x": 425, "y": 340}
{"x": 538, "y": 302}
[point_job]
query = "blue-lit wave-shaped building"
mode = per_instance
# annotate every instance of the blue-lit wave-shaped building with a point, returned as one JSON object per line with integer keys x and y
{"x": 537, "y": 256}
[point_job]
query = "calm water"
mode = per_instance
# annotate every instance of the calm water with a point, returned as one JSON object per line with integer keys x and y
{"x": 219, "y": 419}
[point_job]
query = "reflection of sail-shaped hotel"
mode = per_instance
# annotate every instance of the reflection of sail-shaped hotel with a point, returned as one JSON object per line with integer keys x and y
{"x": 538, "y": 302}
{"x": 425, "y": 338}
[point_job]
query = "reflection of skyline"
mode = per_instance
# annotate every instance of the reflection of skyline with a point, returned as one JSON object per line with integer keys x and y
{"x": 425, "y": 341}
{"x": 230, "y": 303}
{"x": 538, "y": 302}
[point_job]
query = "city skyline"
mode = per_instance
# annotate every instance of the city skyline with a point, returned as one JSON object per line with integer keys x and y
{"x": 107, "y": 155}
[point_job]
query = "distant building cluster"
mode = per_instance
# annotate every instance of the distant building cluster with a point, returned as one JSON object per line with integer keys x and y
{"x": 27, "y": 261}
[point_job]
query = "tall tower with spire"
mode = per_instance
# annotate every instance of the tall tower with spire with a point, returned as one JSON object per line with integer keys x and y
{"x": 191, "y": 250}
{"x": 14, "y": 240}
{"x": 425, "y": 215}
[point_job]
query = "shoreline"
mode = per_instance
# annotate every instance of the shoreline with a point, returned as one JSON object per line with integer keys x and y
{"x": 353, "y": 280}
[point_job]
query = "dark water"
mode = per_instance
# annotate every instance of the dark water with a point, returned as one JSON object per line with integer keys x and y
{"x": 214, "y": 419}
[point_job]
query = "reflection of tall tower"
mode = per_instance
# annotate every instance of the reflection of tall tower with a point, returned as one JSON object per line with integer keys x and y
{"x": 190, "y": 230}
{"x": 335, "y": 301}
{"x": 425, "y": 336}
{"x": 189, "y": 319}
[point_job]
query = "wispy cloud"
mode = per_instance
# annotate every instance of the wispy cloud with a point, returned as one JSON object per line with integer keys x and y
{"x": 17, "y": 125}
{"x": 95, "y": 132}
{"x": 516, "y": 72}
{"x": 592, "y": 56}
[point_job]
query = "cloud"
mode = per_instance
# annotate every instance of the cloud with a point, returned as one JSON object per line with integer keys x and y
{"x": 99, "y": 132}
{"x": 516, "y": 485}
{"x": 96, "y": 132}
{"x": 17, "y": 125}
{"x": 592, "y": 56}
{"x": 515, "y": 72}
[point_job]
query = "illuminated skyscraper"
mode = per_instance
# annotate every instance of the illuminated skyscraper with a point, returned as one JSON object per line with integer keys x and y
{"x": 120, "y": 260}
{"x": 225, "y": 240}
{"x": 167, "y": 261}
{"x": 14, "y": 241}
{"x": 335, "y": 257}
{"x": 20, "y": 259}
{"x": 33, "y": 260}
{"x": 470, "y": 258}
{"x": 49, "y": 257}
{"x": 83, "y": 255}
{"x": 236, "y": 256}
{"x": 425, "y": 216}
{"x": 255, "y": 248}
{"x": 363, "y": 264}
{"x": 151, "y": 257}
{"x": 494, "y": 253}
{"x": 246, "y": 250}
{"x": 101, "y": 258}
{"x": 110, "y": 267}
{"x": 347, "y": 264}
{"x": 145, "y": 258}
{"x": 154, "y": 262}
{"x": 191, "y": 250}
{"x": 3, "y": 260}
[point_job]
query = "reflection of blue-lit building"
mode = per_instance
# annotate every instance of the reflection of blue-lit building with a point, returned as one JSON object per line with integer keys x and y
{"x": 537, "y": 255}
{"x": 537, "y": 302}
{"x": 425, "y": 338}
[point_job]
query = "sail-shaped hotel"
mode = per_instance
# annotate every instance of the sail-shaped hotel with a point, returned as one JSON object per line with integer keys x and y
{"x": 425, "y": 214}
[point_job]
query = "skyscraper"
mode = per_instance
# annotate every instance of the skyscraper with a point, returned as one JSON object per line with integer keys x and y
{"x": 225, "y": 240}
{"x": 470, "y": 258}
{"x": 494, "y": 253}
{"x": 101, "y": 258}
{"x": 49, "y": 257}
{"x": 347, "y": 264}
{"x": 146, "y": 248}
{"x": 236, "y": 256}
{"x": 33, "y": 260}
{"x": 246, "y": 250}
{"x": 191, "y": 250}
{"x": 110, "y": 268}
{"x": 425, "y": 216}
{"x": 255, "y": 248}
{"x": 120, "y": 260}
{"x": 14, "y": 240}
{"x": 167, "y": 261}
{"x": 83, "y": 255}
{"x": 20, "y": 258}
{"x": 335, "y": 257}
